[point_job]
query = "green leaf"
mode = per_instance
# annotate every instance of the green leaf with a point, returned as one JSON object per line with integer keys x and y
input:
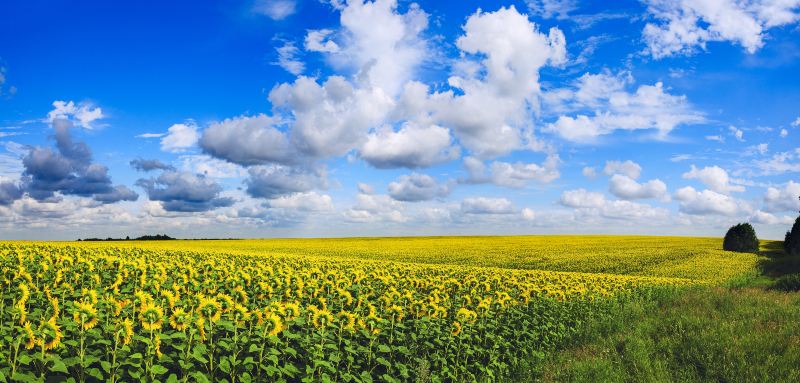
{"x": 106, "y": 366}
{"x": 384, "y": 348}
{"x": 172, "y": 378}
{"x": 159, "y": 369}
{"x": 225, "y": 366}
{"x": 199, "y": 377}
{"x": 59, "y": 366}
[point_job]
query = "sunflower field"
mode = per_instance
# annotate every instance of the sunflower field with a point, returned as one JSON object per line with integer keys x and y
{"x": 121, "y": 313}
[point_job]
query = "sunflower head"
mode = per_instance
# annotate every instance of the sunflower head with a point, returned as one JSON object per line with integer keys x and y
{"x": 272, "y": 324}
{"x": 209, "y": 309}
{"x": 50, "y": 334}
{"x": 151, "y": 317}
{"x": 347, "y": 321}
{"x": 180, "y": 319}
{"x": 322, "y": 318}
{"x": 85, "y": 314}
{"x": 455, "y": 329}
{"x": 29, "y": 336}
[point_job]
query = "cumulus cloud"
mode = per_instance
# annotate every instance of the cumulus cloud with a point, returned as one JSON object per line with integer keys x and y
{"x": 333, "y": 118}
{"x": 180, "y": 137}
{"x": 69, "y": 170}
{"x": 144, "y": 165}
{"x": 736, "y": 133}
{"x": 376, "y": 208}
{"x": 604, "y": 106}
{"x": 708, "y": 202}
{"x": 275, "y": 9}
{"x": 582, "y": 198}
{"x": 627, "y": 188}
{"x": 248, "y": 140}
{"x": 513, "y": 175}
{"x": 771, "y": 219}
{"x": 273, "y": 181}
{"x": 783, "y": 198}
{"x": 498, "y": 90}
{"x": 784, "y": 133}
{"x": 589, "y": 172}
{"x": 306, "y": 201}
{"x": 682, "y": 27}
{"x": 210, "y": 166}
{"x": 714, "y": 177}
{"x": 411, "y": 147}
{"x": 417, "y": 187}
{"x": 626, "y": 168}
{"x": 484, "y": 205}
{"x": 9, "y": 192}
{"x": 184, "y": 192}
{"x": 83, "y": 114}
{"x": 319, "y": 40}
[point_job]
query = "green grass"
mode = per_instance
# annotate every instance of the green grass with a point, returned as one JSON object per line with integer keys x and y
{"x": 746, "y": 331}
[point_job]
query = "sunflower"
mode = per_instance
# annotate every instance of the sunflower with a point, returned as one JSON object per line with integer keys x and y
{"x": 240, "y": 313}
{"x": 127, "y": 329}
{"x": 201, "y": 327}
{"x": 466, "y": 315}
{"x": 395, "y": 313}
{"x": 50, "y": 330}
{"x": 322, "y": 318}
{"x": 272, "y": 325}
{"x": 290, "y": 310}
{"x": 456, "y": 329}
{"x": 209, "y": 309}
{"x": 151, "y": 317}
{"x": 31, "y": 341}
{"x": 85, "y": 314}
{"x": 347, "y": 321}
{"x": 179, "y": 319}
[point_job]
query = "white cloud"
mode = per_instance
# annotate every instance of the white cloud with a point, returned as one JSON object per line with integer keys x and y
{"x": 589, "y": 172}
{"x": 417, "y": 187}
{"x": 785, "y": 198}
{"x": 681, "y": 27}
{"x": 779, "y": 163}
{"x": 628, "y": 189}
{"x": 547, "y": 9}
{"x": 582, "y": 198}
{"x": 275, "y": 9}
{"x": 289, "y": 58}
{"x": 514, "y": 175}
{"x": 708, "y": 202}
{"x": 150, "y": 135}
{"x": 319, "y": 40}
{"x": 528, "y": 214}
{"x": 180, "y": 137}
{"x": 796, "y": 122}
{"x": 83, "y": 114}
{"x": 498, "y": 91}
{"x": 784, "y": 133}
{"x": 376, "y": 208}
{"x": 411, "y": 147}
{"x": 248, "y": 140}
{"x": 736, "y": 132}
{"x": 627, "y": 168}
{"x": 603, "y": 106}
{"x": 484, "y": 205}
{"x": 770, "y": 219}
{"x": 714, "y": 177}
{"x": 716, "y": 137}
{"x": 308, "y": 201}
{"x": 333, "y": 118}
{"x": 211, "y": 167}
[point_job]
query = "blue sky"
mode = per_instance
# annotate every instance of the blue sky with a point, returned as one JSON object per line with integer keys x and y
{"x": 313, "y": 118}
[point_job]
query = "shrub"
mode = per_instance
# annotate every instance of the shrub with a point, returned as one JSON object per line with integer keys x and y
{"x": 790, "y": 282}
{"x": 791, "y": 244}
{"x": 741, "y": 238}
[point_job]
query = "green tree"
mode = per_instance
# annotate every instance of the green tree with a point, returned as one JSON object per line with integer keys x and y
{"x": 741, "y": 238}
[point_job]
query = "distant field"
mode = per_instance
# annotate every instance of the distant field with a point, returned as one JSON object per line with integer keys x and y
{"x": 354, "y": 310}
{"x": 681, "y": 257}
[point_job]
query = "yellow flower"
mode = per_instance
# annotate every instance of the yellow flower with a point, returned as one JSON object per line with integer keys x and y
{"x": 85, "y": 314}
{"x": 50, "y": 330}
{"x": 290, "y": 310}
{"x": 272, "y": 325}
{"x": 396, "y": 313}
{"x": 347, "y": 320}
{"x": 466, "y": 315}
{"x": 31, "y": 341}
{"x": 201, "y": 327}
{"x": 322, "y": 318}
{"x": 456, "y": 329}
{"x": 151, "y": 317}
{"x": 127, "y": 331}
{"x": 209, "y": 309}
{"x": 179, "y": 319}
